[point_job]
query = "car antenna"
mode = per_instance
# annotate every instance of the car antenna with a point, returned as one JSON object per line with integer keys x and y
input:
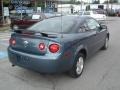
{"x": 61, "y": 20}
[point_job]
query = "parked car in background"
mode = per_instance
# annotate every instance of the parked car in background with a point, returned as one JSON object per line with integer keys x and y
{"x": 93, "y": 14}
{"x": 100, "y": 11}
{"x": 118, "y": 13}
{"x": 111, "y": 12}
{"x": 27, "y": 21}
{"x": 15, "y": 16}
{"x": 47, "y": 48}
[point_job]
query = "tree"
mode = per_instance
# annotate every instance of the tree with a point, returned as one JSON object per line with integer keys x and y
{"x": 6, "y": 2}
{"x": 71, "y": 2}
{"x": 111, "y": 1}
{"x": 96, "y": 2}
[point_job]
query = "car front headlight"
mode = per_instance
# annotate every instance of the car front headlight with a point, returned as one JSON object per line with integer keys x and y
{"x": 15, "y": 27}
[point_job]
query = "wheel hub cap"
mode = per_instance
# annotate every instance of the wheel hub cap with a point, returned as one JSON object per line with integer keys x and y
{"x": 80, "y": 64}
{"x": 106, "y": 43}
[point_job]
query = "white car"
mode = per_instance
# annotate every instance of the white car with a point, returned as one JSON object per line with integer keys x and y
{"x": 93, "y": 14}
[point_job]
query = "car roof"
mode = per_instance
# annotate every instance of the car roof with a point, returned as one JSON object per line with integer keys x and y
{"x": 68, "y": 22}
{"x": 72, "y": 17}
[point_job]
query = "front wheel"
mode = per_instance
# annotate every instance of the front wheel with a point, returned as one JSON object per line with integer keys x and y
{"x": 106, "y": 44}
{"x": 78, "y": 66}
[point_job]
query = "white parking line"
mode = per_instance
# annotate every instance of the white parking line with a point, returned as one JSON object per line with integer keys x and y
{"x": 4, "y": 36}
{"x": 4, "y": 39}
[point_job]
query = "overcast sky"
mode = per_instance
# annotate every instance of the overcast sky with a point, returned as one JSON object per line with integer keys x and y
{"x": 101, "y": 1}
{"x": 92, "y": 0}
{"x": 85, "y": 0}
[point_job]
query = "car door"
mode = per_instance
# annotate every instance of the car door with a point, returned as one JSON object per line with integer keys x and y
{"x": 100, "y": 33}
{"x": 89, "y": 37}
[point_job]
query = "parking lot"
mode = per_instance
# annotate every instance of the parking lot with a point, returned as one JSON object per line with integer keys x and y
{"x": 101, "y": 71}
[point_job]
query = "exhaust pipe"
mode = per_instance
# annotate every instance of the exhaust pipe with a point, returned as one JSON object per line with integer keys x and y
{"x": 13, "y": 65}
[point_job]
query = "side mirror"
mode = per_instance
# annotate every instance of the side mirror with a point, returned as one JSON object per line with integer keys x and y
{"x": 102, "y": 26}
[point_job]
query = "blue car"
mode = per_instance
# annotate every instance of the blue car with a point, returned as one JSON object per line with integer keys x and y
{"x": 56, "y": 45}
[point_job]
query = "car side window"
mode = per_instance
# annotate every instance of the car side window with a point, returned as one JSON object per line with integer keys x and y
{"x": 93, "y": 24}
{"x": 83, "y": 28}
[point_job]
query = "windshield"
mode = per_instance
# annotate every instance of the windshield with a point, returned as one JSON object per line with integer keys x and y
{"x": 54, "y": 25}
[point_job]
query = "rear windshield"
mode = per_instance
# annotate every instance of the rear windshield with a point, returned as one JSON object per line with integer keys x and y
{"x": 54, "y": 25}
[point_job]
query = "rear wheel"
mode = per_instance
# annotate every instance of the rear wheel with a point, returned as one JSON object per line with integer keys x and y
{"x": 78, "y": 66}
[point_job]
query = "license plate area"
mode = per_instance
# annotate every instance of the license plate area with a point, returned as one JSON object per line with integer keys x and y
{"x": 22, "y": 59}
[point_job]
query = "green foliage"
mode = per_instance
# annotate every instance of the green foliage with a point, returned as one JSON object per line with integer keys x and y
{"x": 111, "y": 1}
{"x": 6, "y": 2}
{"x": 71, "y": 2}
{"x": 40, "y": 4}
{"x": 96, "y": 2}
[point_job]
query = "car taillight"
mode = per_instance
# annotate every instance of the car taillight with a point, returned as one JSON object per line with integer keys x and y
{"x": 41, "y": 46}
{"x": 12, "y": 41}
{"x": 54, "y": 48}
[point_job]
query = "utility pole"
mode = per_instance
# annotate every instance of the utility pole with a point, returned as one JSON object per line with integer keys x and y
{"x": 107, "y": 4}
{"x": 81, "y": 5}
{"x": 21, "y": 9}
{"x": 2, "y": 11}
{"x": 112, "y": 2}
{"x": 35, "y": 5}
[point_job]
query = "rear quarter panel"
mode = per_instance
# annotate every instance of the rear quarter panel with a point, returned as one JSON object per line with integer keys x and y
{"x": 72, "y": 44}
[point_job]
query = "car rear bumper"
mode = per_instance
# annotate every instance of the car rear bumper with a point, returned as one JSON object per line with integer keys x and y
{"x": 38, "y": 63}
{"x": 101, "y": 19}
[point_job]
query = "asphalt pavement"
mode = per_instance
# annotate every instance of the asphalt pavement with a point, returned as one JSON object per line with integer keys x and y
{"x": 102, "y": 71}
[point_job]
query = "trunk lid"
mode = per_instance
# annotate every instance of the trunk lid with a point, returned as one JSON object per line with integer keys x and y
{"x": 28, "y": 42}
{"x": 26, "y": 22}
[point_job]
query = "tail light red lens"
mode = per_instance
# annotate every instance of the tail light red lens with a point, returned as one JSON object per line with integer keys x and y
{"x": 12, "y": 41}
{"x": 41, "y": 46}
{"x": 54, "y": 48}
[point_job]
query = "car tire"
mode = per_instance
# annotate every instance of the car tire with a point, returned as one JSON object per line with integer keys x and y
{"x": 106, "y": 44}
{"x": 78, "y": 66}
